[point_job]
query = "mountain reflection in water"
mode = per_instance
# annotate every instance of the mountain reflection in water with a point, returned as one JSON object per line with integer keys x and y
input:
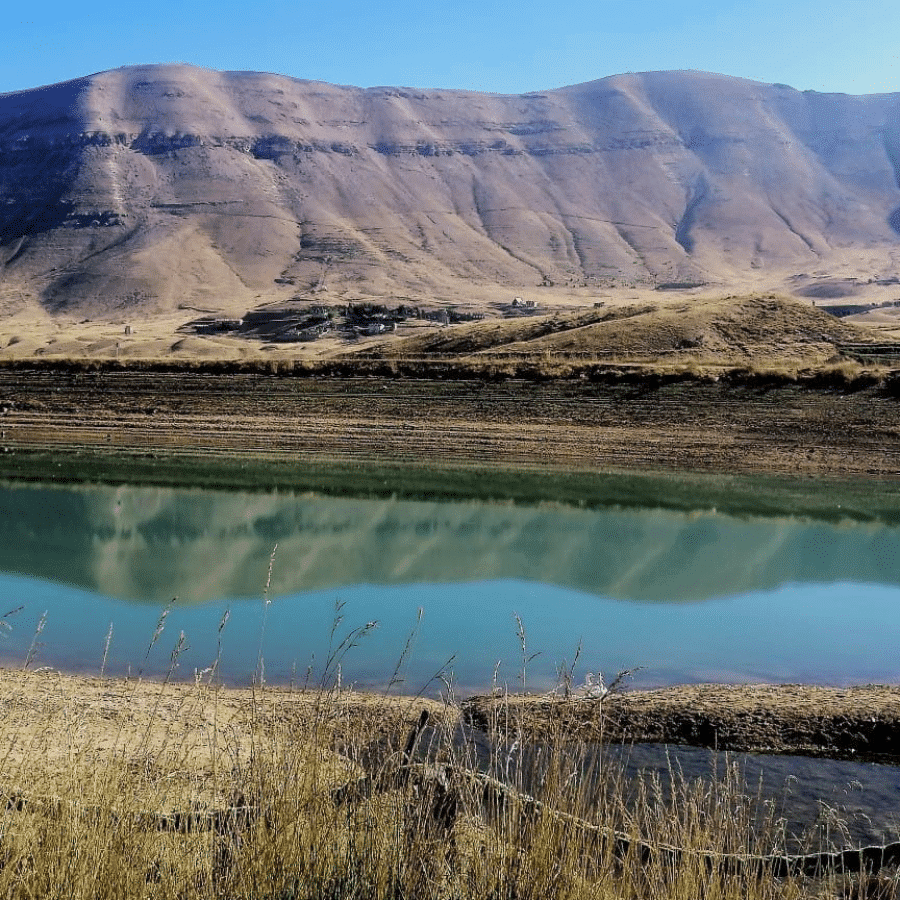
{"x": 783, "y": 598}
{"x": 152, "y": 544}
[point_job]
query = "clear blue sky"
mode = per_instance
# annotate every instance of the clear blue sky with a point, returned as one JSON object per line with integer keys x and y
{"x": 490, "y": 45}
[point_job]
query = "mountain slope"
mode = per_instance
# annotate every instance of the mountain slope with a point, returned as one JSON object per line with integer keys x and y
{"x": 154, "y": 186}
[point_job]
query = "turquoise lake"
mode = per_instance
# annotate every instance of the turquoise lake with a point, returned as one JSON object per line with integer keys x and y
{"x": 679, "y": 594}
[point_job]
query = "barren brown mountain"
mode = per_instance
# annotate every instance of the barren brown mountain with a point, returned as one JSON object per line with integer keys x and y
{"x": 166, "y": 192}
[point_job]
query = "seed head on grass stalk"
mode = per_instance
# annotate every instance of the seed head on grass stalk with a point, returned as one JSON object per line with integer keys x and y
{"x": 260, "y": 665}
{"x": 35, "y": 643}
{"x": 5, "y": 627}
{"x": 526, "y": 659}
{"x": 331, "y": 674}
{"x": 106, "y": 644}
{"x": 214, "y": 668}
{"x": 157, "y": 633}
{"x": 180, "y": 647}
{"x": 565, "y": 674}
{"x": 402, "y": 663}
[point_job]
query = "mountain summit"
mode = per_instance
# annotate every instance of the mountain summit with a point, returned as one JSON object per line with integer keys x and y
{"x": 152, "y": 187}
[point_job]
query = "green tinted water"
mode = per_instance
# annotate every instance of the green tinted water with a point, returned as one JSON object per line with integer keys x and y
{"x": 692, "y": 579}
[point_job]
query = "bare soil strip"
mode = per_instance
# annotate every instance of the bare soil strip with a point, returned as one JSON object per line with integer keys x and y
{"x": 693, "y": 425}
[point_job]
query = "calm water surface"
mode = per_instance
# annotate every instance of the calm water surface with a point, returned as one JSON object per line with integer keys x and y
{"x": 687, "y": 596}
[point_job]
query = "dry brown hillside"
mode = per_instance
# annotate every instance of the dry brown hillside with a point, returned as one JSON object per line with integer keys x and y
{"x": 157, "y": 194}
{"x": 757, "y": 330}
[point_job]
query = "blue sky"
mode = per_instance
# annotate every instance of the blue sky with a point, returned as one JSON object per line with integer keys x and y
{"x": 490, "y": 45}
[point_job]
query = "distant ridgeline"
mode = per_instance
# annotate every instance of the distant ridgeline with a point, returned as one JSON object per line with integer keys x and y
{"x": 153, "y": 186}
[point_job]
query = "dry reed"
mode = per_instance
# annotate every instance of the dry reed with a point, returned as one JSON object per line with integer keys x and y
{"x": 315, "y": 794}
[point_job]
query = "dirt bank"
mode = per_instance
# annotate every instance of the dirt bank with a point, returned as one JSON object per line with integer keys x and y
{"x": 682, "y": 425}
{"x": 852, "y": 723}
{"x": 48, "y": 719}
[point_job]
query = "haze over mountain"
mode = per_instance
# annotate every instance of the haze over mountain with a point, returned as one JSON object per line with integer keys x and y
{"x": 150, "y": 187}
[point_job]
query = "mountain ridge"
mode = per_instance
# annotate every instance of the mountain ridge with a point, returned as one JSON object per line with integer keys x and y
{"x": 152, "y": 187}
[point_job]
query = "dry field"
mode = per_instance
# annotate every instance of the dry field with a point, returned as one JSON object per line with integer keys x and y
{"x": 558, "y": 334}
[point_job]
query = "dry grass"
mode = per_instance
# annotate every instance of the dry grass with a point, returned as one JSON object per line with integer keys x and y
{"x": 718, "y": 330}
{"x": 684, "y": 337}
{"x": 307, "y": 794}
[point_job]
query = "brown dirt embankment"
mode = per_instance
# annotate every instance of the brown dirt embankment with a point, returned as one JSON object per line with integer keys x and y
{"x": 860, "y": 722}
{"x": 47, "y": 719}
{"x": 726, "y": 426}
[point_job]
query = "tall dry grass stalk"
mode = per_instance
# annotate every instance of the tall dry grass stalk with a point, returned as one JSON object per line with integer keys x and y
{"x": 320, "y": 793}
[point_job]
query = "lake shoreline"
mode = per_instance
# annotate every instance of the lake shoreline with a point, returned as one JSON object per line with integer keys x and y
{"x": 858, "y": 723}
{"x": 83, "y": 425}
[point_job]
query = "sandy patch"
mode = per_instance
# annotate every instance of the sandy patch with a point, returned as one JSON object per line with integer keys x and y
{"x": 56, "y": 727}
